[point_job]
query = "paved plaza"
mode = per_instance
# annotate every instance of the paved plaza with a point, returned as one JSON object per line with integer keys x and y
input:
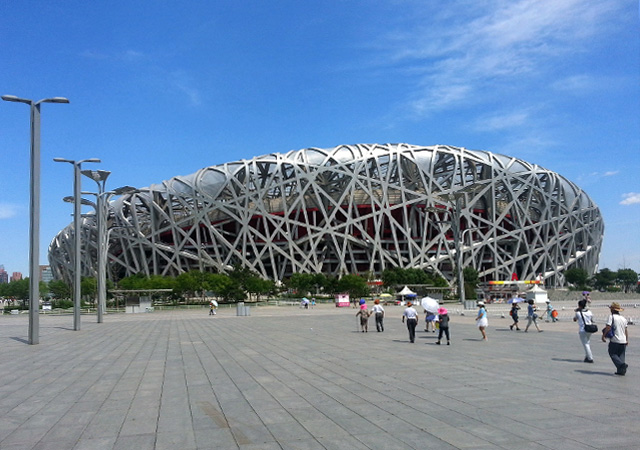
{"x": 289, "y": 378}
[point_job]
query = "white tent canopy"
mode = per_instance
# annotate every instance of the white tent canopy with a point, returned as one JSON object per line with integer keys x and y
{"x": 406, "y": 291}
{"x": 537, "y": 294}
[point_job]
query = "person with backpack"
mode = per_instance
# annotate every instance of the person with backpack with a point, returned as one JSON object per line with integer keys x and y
{"x": 364, "y": 319}
{"x": 443, "y": 320}
{"x": 616, "y": 332}
{"x": 584, "y": 317}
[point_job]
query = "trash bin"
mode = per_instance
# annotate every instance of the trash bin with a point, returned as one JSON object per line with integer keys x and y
{"x": 242, "y": 310}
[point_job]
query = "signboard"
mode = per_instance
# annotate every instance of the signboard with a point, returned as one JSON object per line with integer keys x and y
{"x": 342, "y": 300}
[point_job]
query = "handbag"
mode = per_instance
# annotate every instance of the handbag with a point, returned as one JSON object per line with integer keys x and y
{"x": 612, "y": 331}
{"x": 590, "y": 328}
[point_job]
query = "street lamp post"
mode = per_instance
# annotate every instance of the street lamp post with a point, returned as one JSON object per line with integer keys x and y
{"x": 102, "y": 215}
{"x": 77, "y": 182}
{"x": 100, "y": 177}
{"x": 34, "y": 212}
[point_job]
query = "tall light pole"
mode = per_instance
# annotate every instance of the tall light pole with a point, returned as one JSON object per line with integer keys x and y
{"x": 77, "y": 267}
{"x": 34, "y": 212}
{"x": 102, "y": 214}
{"x": 100, "y": 177}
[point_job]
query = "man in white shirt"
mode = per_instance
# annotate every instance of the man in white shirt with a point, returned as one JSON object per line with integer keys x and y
{"x": 378, "y": 310}
{"x": 620, "y": 339}
{"x": 412, "y": 320}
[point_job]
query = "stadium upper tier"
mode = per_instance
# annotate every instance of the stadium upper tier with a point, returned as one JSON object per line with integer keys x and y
{"x": 350, "y": 209}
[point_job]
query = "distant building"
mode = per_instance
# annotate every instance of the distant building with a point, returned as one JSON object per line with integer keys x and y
{"x": 46, "y": 274}
{"x": 17, "y": 276}
{"x": 4, "y": 276}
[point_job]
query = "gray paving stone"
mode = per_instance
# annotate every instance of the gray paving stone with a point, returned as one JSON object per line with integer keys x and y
{"x": 295, "y": 379}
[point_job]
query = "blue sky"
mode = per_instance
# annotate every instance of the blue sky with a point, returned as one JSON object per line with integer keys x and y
{"x": 160, "y": 89}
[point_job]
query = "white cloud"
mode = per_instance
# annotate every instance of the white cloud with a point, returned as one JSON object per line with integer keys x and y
{"x": 184, "y": 83}
{"x": 125, "y": 55}
{"x": 630, "y": 198}
{"x": 499, "y": 122}
{"x": 611, "y": 173}
{"x": 477, "y": 48}
{"x": 7, "y": 211}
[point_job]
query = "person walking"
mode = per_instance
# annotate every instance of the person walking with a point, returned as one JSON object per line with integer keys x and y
{"x": 412, "y": 320}
{"x": 364, "y": 319}
{"x": 482, "y": 320}
{"x": 443, "y": 320}
{"x": 514, "y": 316}
{"x": 549, "y": 312}
{"x": 618, "y": 339}
{"x": 532, "y": 315}
{"x": 212, "y": 310}
{"x": 584, "y": 317}
{"x": 378, "y": 310}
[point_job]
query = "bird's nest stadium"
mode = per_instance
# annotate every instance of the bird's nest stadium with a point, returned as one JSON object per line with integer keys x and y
{"x": 350, "y": 209}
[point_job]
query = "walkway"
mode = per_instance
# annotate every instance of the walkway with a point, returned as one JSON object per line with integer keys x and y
{"x": 287, "y": 378}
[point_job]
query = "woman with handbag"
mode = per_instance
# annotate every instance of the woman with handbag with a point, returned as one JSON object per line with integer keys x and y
{"x": 584, "y": 317}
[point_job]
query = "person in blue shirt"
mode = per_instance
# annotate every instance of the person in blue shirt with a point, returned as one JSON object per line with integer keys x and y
{"x": 532, "y": 316}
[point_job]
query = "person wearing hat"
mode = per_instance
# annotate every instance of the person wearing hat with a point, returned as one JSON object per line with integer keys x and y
{"x": 482, "y": 320}
{"x": 619, "y": 339}
{"x": 378, "y": 310}
{"x": 411, "y": 315}
{"x": 443, "y": 320}
{"x": 584, "y": 317}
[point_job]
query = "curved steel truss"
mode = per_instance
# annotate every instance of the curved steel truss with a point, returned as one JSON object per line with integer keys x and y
{"x": 351, "y": 209}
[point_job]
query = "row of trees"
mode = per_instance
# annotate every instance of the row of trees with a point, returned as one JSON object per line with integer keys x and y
{"x": 241, "y": 282}
{"x": 623, "y": 280}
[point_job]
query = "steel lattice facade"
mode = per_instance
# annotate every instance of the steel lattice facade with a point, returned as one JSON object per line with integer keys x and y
{"x": 351, "y": 209}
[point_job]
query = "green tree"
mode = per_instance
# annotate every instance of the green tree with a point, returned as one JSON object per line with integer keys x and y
{"x": 390, "y": 278}
{"x": 302, "y": 282}
{"x": 88, "y": 287}
{"x": 628, "y": 278}
{"x": 604, "y": 279}
{"x": 59, "y": 289}
{"x": 576, "y": 276}
{"x": 355, "y": 285}
{"x": 189, "y": 283}
{"x": 259, "y": 286}
{"x": 470, "y": 281}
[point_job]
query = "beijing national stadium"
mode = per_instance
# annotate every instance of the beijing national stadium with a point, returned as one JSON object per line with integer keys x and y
{"x": 352, "y": 209}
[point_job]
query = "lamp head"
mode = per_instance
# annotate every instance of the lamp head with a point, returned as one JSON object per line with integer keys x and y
{"x": 96, "y": 175}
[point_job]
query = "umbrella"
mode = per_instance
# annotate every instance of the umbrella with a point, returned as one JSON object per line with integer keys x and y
{"x": 515, "y": 300}
{"x": 214, "y": 303}
{"x": 430, "y": 304}
{"x": 385, "y": 295}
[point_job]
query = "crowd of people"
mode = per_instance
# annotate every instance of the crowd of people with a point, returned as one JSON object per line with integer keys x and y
{"x": 615, "y": 330}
